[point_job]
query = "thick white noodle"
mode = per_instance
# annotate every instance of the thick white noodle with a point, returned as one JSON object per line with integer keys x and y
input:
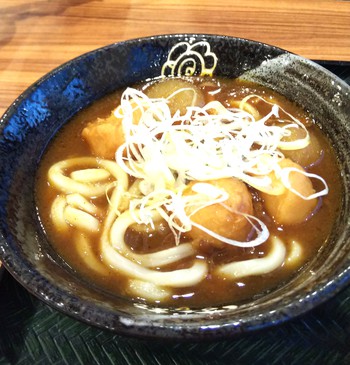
{"x": 264, "y": 265}
{"x": 81, "y": 220}
{"x": 176, "y": 278}
{"x": 74, "y": 210}
{"x": 58, "y": 178}
{"x": 147, "y": 290}
{"x": 57, "y": 213}
{"x": 90, "y": 175}
{"x": 84, "y": 250}
{"x": 80, "y": 202}
{"x": 156, "y": 259}
{"x": 66, "y": 184}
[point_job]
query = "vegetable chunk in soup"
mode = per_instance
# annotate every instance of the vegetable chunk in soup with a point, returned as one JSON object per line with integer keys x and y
{"x": 189, "y": 192}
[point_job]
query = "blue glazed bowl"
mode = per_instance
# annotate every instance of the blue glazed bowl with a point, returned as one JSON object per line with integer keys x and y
{"x": 31, "y": 122}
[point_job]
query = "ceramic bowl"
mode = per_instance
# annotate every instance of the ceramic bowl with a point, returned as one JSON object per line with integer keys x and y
{"x": 33, "y": 119}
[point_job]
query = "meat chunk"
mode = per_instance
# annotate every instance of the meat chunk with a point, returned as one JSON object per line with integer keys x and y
{"x": 230, "y": 223}
{"x": 289, "y": 208}
{"x": 104, "y": 136}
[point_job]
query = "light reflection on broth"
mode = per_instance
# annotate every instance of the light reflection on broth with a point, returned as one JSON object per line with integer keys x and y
{"x": 87, "y": 209}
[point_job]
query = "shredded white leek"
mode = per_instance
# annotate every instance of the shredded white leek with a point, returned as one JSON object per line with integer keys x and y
{"x": 166, "y": 151}
{"x": 285, "y": 179}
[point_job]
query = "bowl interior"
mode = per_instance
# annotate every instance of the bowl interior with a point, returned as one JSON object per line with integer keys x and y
{"x": 30, "y": 123}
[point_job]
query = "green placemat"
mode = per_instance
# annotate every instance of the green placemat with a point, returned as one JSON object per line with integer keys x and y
{"x": 33, "y": 333}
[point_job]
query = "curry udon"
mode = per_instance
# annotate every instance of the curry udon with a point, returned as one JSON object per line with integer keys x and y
{"x": 189, "y": 192}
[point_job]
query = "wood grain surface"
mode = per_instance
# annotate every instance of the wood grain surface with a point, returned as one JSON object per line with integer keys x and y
{"x": 37, "y": 36}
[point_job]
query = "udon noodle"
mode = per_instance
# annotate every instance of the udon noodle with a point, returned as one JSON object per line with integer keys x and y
{"x": 189, "y": 191}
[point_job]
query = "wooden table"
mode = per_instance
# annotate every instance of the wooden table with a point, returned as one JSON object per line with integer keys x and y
{"x": 36, "y": 36}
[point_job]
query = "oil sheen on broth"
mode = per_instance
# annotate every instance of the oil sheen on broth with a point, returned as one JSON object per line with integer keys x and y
{"x": 192, "y": 162}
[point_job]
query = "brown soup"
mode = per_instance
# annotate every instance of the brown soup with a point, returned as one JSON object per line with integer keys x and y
{"x": 81, "y": 225}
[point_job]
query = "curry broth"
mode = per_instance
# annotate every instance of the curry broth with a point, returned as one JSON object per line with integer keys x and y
{"x": 213, "y": 290}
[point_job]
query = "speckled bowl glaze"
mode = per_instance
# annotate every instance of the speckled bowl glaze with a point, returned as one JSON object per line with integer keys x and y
{"x": 30, "y": 123}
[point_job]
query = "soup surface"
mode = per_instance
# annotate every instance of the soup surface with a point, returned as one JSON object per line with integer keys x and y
{"x": 189, "y": 192}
